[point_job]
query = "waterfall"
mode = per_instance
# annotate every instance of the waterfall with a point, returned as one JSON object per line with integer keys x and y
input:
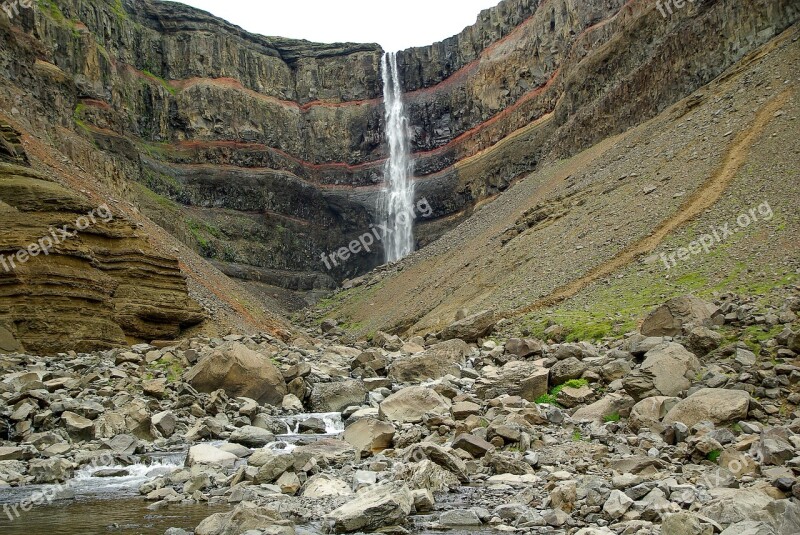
{"x": 396, "y": 204}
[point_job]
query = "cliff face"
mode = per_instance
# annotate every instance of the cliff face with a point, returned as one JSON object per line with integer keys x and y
{"x": 265, "y": 153}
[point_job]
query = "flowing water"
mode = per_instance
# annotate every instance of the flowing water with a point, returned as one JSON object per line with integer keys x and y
{"x": 88, "y": 504}
{"x": 397, "y": 198}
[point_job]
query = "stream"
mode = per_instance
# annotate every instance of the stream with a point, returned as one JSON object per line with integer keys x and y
{"x": 88, "y": 505}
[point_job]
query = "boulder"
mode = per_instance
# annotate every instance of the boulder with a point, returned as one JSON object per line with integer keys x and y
{"x": 409, "y": 405}
{"x": 524, "y": 347}
{"x": 614, "y": 403}
{"x": 245, "y": 518}
{"x": 518, "y": 378}
{"x": 336, "y": 397}
{"x": 369, "y": 435}
{"x": 207, "y": 455}
{"x": 650, "y": 411}
{"x": 567, "y": 370}
{"x": 442, "y": 359}
{"x": 323, "y": 486}
{"x": 427, "y": 475}
{"x": 273, "y": 466}
{"x": 670, "y": 318}
{"x": 252, "y": 437}
{"x": 78, "y": 427}
{"x": 714, "y": 405}
{"x": 241, "y": 372}
{"x": 164, "y": 423}
{"x": 475, "y": 446}
{"x": 666, "y": 371}
{"x": 471, "y": 328}
{"x": 382, "y": 506}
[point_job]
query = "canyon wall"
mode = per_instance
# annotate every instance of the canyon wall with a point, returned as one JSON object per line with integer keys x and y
{"x": 266, "y": 153}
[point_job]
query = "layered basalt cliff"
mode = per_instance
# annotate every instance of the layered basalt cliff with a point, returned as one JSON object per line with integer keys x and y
{"x": 266, "y": 153}
{"x": 74, "y": 275}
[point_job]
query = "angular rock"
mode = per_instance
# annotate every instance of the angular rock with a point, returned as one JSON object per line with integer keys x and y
{"x": 207, "y": 455}
{"x": 383, "y": 505}
{"x": 243, "y": 519}
{"x": 445, "y": 358}
{"x": 369, "y": 435}
{"x": 519, "y": 378}
{"x": 666, "y": 371}
{"x": 670, "y": 318}
{"x": 241, "y": 372}
{"x": 337, "y": 396}
{"x": 409, "y": 405}
{"x": 253, "y": 437}
{"x": 475, "y": 446}
{"x": 714, "y": 405}
{"x": 471, "y": 328}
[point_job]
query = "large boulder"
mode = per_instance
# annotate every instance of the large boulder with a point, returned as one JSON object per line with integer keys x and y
{"x": 381, "y": 506}
{"x": 252, "y": 437}
{"x": 518, "y": 378}
{"x": 611, "y": 404}
{"x": 369, "y": 435}
{"x": 246, "y": 518}
{"x": 524, "y": 347}
{"x": 670, "y": 318}
{"x": 241, "y": 372}
{"x": 471, "y": 328}
{"x": 649, "y": 412}
{"x": 714, "y": 405}
{"x": 666, "y": 371}
{"x": 442, "y": 359}
{"x": 337, "y": 396}
{"x": 410, "y": 405}
{"x": 208, "y": 455}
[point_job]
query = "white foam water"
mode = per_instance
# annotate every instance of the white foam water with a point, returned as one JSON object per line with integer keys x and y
{"x": 396, "y": 203}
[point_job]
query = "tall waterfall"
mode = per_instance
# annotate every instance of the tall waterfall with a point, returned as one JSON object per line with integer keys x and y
{"x": 396, "y": 204}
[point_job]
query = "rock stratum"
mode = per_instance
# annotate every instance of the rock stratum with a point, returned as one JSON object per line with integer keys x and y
{"x": 264, "y": 153}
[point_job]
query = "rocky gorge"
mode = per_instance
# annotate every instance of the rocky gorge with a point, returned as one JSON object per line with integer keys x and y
{"x": 572, "y": 348}
{"x": 688, "y": 426}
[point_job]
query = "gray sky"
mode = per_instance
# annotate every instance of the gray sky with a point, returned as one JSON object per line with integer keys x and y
{"x": 395, "y": 25}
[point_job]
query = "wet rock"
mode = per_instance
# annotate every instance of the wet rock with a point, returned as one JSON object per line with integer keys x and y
{"x": 460, "y": 518}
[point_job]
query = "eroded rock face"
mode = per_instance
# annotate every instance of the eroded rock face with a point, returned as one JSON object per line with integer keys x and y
{"x": 231, "y": 124}
{"x": 95, "y": 289}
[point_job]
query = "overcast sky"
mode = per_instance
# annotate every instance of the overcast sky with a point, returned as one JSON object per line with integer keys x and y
{"x": 394, "y": 25}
